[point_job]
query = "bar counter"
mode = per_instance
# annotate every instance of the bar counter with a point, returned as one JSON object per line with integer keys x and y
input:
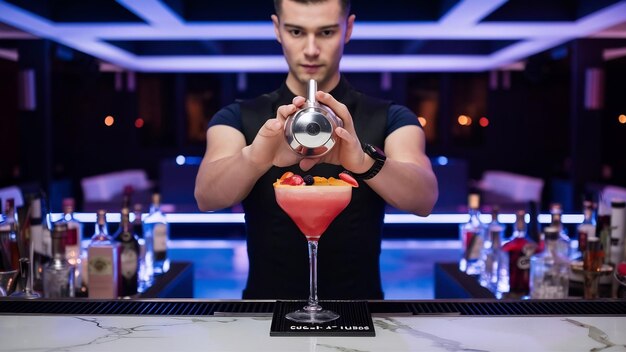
{"x": 196, "y": 325}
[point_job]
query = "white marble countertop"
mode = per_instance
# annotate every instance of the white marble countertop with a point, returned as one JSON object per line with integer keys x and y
{"x": 211, "y": 333}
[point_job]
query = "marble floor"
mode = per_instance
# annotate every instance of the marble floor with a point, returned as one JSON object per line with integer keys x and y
{"x": 221, "y": 266}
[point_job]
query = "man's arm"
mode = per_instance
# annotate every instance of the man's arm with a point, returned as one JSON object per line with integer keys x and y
{"x": 406, "y": 181}
{"x": 230, "y": 169}
{"x": 226, "y": 173}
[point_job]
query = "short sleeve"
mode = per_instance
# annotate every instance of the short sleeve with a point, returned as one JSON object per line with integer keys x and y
{"x": 229, "y": 115}
{"x": 400, "y": 116}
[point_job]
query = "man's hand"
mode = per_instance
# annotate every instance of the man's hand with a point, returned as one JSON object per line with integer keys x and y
{"x": 269, "y": 147}
{"x": 347, "y": 150}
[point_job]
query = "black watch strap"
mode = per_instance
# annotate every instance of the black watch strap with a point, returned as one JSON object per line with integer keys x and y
{"x": 379, "y": 160}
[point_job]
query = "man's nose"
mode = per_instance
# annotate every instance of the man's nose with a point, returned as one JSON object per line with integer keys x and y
{"x": 311, "y": 49}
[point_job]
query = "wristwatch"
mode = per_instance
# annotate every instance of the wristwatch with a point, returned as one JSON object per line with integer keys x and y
{"x": 379, "y": 160}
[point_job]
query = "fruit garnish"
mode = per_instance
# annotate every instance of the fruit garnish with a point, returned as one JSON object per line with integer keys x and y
{"x": 349, "y": 179}
{"x": 621, "y": 269}
{"x": 286, "y": 175}
{"x": 319, "y": 180}
{"x": 308, "y": 180}
{"x": 293, "y": 180}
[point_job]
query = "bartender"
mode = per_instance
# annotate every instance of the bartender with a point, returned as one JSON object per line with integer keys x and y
{"x": 381, "y": 144}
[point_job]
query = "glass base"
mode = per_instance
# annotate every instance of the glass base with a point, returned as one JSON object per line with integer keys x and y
{"x": 25, "y": 294}
{"x": 312, "y": 316}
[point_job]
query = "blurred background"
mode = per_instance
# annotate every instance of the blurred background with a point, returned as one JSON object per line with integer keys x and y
{"x": 532, "y": 88}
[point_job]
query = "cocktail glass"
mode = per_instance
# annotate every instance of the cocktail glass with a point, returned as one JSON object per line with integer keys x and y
{"x": 313, "y": 208}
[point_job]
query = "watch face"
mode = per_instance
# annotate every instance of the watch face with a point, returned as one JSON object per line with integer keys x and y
{"x": 374, "y": 151}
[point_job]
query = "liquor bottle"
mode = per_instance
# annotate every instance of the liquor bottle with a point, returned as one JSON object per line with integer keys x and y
{"x": 74, "y": 240}
{"x": 603, "y": 226}
{"x": 129, "y": 255}
{"x": 146, "y": 274}
{"x": 564, "y": 246}
{"x": 58, "y": 275}
{"x": 38, "y": 230}
{"x": 495, "y": 275}
{"x": 10, "y": 228}
{"x": 587, "y": 228}
{"x": 618, "y": 228}
{"x": 156, "y": 231}
{"x": 519, "y": 250}
{"x": 495, "y": 225}
{"x": 103, "y": 257}
{"x": 6, "y": 263}
{"x": 472, "y": 235}
{"x": 75, "y": 250}
{"x": 533, "y": 229}
{"x": 549, "y": 270}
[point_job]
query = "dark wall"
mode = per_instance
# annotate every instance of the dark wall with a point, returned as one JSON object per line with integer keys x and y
{"x": 528, "y": 131}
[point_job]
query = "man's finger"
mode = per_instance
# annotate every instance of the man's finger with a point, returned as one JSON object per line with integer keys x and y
{"x": 307, "y": 163}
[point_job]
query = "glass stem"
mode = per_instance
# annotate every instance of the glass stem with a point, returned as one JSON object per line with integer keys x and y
{"x": 24, "y": 274}
{"x": 313, "y": 305}
{"x": 31, "y": 266}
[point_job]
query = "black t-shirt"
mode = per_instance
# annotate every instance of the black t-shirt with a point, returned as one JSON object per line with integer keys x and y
{"x": 349, "y": 250}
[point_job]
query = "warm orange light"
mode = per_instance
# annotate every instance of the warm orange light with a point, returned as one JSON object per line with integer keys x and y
{"x": 139, "y": 122}
{"x": 469, "y": 121}
{"x": 109, "y": 121}
{"x": 463, "y": 120}
{"x": 484, "y": 122}
{"x": 622, "y": 118}
{"x": 422, "y": 121}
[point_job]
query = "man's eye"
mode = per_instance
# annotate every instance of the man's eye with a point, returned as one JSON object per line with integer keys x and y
{"x": 327, "y": 33}
{"x": 295, "y": 32}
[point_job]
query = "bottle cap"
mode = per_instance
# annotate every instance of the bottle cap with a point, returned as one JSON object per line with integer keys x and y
{"x": 156, "y": 199}
{"x": 473, "y": 200}
{"x": 68, "y": 202}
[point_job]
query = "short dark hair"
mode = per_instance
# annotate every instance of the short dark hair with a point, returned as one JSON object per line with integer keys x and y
{"x": 345, "y": 4}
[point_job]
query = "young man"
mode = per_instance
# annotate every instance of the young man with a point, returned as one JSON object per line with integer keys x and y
{"x": 246, "y": 152}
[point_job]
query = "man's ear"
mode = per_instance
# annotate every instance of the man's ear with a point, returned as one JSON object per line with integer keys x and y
{"x": 276, "y": 23}
{"x": 349, "y": 26}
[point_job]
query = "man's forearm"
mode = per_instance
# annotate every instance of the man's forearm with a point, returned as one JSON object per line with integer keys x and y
{"x": 224, "y": 182}
{"x": 406, "y": 186}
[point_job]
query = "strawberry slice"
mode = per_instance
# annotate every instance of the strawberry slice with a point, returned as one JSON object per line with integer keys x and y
{"x": 349, "y": 179}
{"x": 621, "y": 269}
{"x": 286, "y": 175}
{"x": 294, "y": 180}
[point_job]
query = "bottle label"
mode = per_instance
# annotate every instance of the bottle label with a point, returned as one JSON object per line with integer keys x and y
{"x": 523, "y": 262}
{"x": 100, "y": 265}
{"x": 159, "y": 234}
{"x": 129, "y": 263}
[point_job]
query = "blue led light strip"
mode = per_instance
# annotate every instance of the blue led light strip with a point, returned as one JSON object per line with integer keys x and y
{"x": 238, "y": 218}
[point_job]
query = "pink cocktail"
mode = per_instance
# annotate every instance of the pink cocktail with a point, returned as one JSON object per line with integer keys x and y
{"x": 312, "y": 208}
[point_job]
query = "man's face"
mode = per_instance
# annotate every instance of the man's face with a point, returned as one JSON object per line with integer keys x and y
{"x": 313, "y": 36}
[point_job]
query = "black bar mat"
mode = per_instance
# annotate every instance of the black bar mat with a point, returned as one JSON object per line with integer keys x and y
{"x": 354, "y": 320}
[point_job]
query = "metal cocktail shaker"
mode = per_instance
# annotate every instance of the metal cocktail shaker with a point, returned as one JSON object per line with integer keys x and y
{"x": 310, "y": 131}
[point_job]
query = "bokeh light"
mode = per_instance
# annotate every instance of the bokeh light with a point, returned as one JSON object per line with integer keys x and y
{"x": 139, "y": 122}
{"x": 109, "y": 121}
